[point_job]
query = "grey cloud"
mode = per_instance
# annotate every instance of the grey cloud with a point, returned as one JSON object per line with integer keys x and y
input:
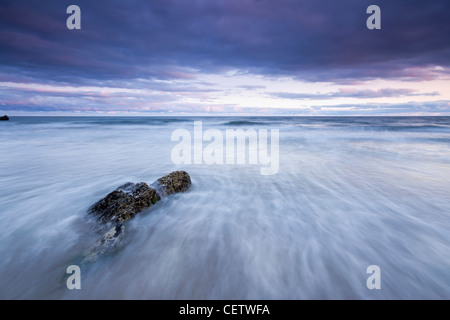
{"x": 358, "y": 94}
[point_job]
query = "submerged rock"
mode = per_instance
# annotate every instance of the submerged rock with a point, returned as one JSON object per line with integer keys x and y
{"x": 110, "y": 242}
{"x": 177, "y": 181}
{"x": 4, "y": 118}
{"x": 125, "y": 202}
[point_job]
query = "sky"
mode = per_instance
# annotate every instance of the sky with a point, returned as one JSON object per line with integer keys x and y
{"x": 225, "y": 57}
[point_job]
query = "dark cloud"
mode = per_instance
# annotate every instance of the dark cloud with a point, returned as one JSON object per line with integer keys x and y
{"x": 159, "y": 39}
{"x": 251, "y": 87}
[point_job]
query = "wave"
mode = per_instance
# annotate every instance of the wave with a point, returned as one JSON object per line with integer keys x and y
{"x": 245, "y": 123}
{"x": 344, "y": 197}
{"x": 102, "y": 121}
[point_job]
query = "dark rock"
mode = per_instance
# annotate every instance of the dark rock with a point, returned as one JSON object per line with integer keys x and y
{"x": 4, "y": 118}
{"x": 177, "y": 181}
{"x": 125, "y": 202}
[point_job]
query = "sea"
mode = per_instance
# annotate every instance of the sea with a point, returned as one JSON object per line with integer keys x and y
{"x": 357, "y": 208}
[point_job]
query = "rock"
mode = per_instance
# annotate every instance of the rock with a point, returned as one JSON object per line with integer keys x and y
{"x": 177, "y": 181}
{"x": 4, "y": 118}
{"x": 125, "y": 202}
{"x": 110, "y": 242}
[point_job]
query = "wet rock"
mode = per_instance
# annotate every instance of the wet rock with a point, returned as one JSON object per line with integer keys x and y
{"x": 4, "y": 118}
{"x": 125, "y": 202}
{"x": 110, "y": 242}
{"x": 177, "y": 181}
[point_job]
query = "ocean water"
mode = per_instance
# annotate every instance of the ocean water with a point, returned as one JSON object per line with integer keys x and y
{"x": 350, "y": 192}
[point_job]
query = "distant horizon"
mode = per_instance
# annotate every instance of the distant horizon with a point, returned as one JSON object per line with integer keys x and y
{"x": 232, "y": 115}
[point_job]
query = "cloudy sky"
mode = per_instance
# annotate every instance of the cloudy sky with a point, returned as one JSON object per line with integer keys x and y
{"x": 208, "y": 57}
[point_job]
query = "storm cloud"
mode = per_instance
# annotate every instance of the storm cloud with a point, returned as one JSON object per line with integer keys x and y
{"x": 124, "y": 44}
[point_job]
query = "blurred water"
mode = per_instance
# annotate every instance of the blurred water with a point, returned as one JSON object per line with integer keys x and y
{"x": 350, "y": 192}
